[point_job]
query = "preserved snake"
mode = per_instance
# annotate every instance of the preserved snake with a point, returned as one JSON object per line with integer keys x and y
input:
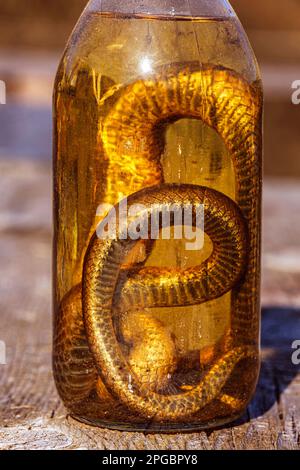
{"x": 87, "y": 347}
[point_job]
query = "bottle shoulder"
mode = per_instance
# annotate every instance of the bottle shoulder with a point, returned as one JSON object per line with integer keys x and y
{"x": 169, "y": 8}
{"x": 124, "y": 48}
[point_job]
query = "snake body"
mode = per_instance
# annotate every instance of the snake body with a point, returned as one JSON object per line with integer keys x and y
{"x": 133, "y": 140}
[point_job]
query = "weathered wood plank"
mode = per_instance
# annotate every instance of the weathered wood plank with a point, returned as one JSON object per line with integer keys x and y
{"x": 31, "y": 414}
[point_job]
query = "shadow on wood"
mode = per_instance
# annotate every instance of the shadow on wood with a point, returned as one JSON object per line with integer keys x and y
{"x": 280, "y": 328}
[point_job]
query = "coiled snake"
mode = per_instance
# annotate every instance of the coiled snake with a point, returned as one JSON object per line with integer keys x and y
{"x": 86, "y": 346}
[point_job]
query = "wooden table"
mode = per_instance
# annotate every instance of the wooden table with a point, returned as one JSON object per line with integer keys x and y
{"x": 31, "y": 414}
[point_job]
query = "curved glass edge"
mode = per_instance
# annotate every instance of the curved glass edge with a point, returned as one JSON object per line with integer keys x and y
{"x": 194, "y": 8}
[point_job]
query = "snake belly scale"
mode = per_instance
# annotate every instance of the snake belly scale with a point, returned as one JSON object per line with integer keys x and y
{"x": 87, "y": 349}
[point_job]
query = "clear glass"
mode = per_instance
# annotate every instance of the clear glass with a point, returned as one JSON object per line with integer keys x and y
{"x": 159, "y": 102}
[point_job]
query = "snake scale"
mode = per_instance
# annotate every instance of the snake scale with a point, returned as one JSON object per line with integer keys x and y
{"x": 87, "y": 347}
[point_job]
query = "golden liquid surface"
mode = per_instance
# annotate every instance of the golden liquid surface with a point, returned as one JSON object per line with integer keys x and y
{"x": 107, "y": 53}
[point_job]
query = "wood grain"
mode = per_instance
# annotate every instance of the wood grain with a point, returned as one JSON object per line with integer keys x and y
{"x": 31, "y": 414}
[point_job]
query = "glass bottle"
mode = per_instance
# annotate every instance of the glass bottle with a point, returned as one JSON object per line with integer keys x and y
{"x": 157, "y": 216}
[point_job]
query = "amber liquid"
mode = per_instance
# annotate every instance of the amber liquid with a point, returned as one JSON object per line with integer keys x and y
{"x": 107, "y": 53}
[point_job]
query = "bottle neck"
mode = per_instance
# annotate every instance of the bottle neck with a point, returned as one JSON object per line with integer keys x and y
{"x": 194, "y": 8}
